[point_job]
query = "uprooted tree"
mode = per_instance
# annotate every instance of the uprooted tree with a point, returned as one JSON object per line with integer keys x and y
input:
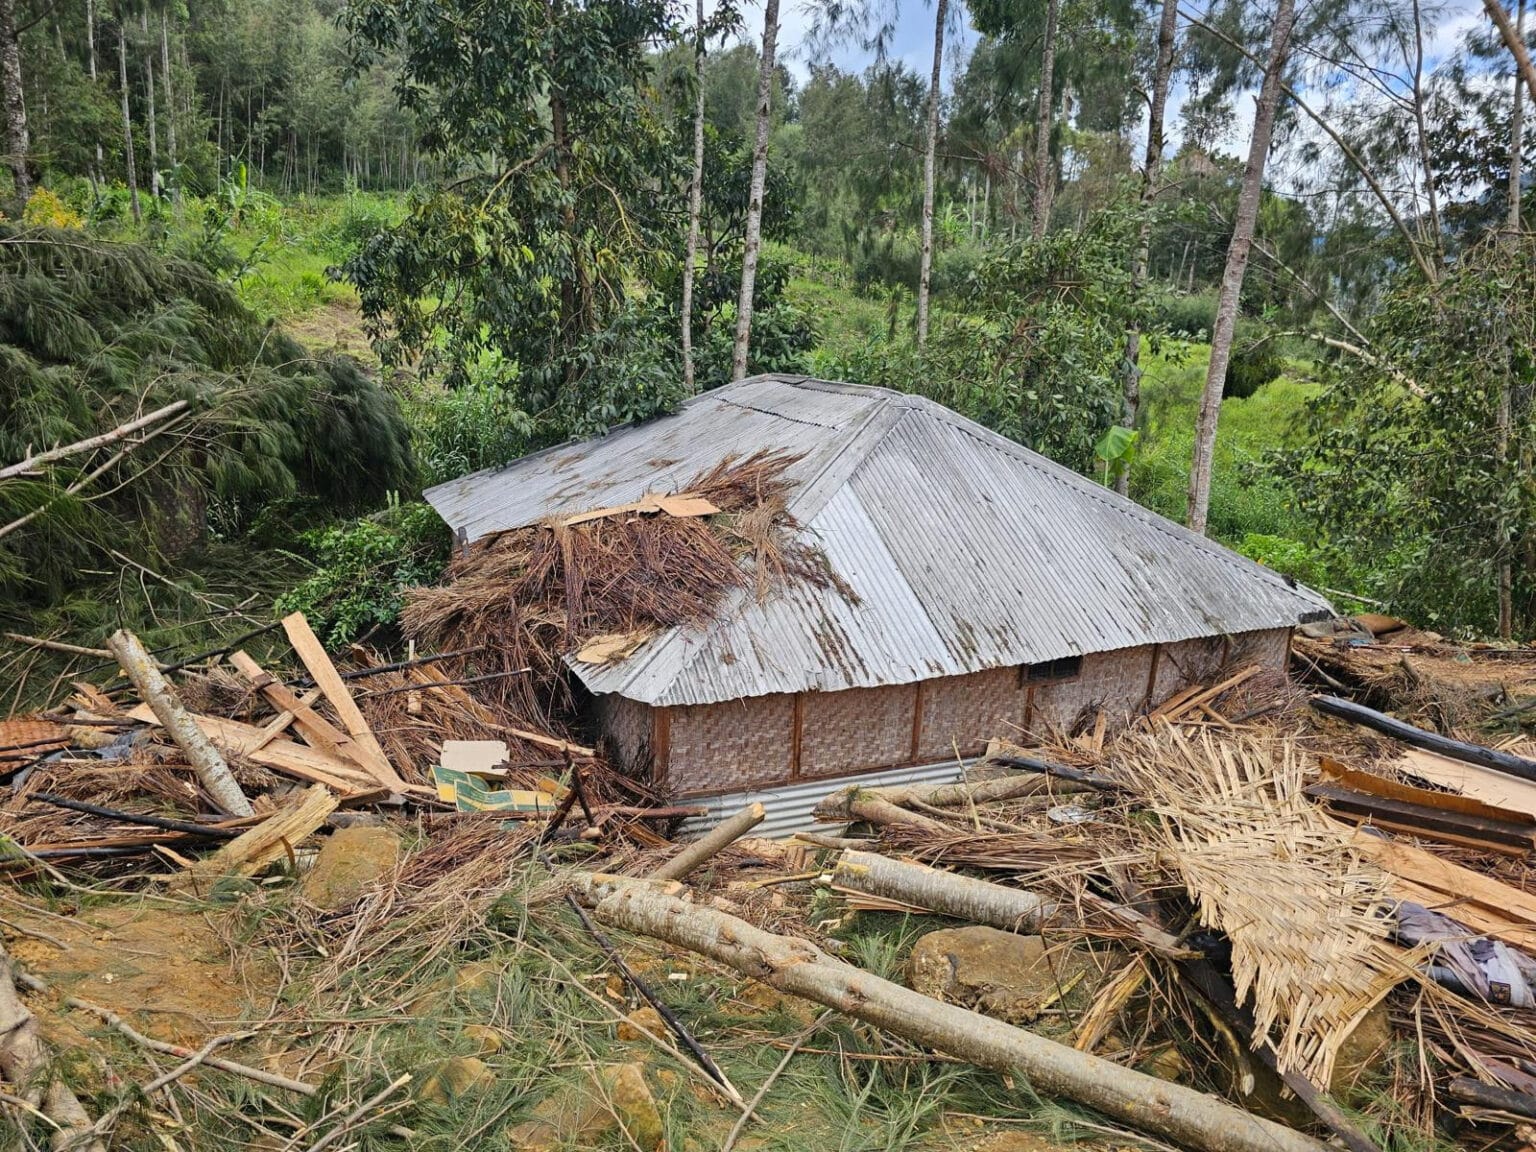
{"x": 139, "y": 400}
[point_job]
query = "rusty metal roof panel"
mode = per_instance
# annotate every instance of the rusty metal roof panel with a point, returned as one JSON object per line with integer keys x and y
{"x": 963, "y": 549}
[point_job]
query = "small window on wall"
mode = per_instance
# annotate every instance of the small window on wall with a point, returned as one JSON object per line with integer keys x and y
{"x": 1067, "y": 668}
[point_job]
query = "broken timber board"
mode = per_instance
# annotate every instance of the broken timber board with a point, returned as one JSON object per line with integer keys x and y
{"x": 1394, "y": 790}
{"x": 1425, "y": 868}
{"x": 257, "y": 847}
{"x": 1431, "y": 823}
{"x": 276, "y": 726}
{"x": 307, "y": 764}
{"x": 329, "y": 681}
{"x": 317, "y": 731}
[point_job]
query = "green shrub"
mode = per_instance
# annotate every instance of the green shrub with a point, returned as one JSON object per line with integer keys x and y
{"x": 1188, "y": 315}
{"x": 362, "y": 568}
{"x": 1254, "y": 363}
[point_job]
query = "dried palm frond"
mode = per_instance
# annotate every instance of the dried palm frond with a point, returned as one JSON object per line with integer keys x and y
{"x": 1308, "y": 919}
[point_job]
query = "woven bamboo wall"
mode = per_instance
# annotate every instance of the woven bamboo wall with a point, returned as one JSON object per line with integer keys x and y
{"x": 768, "y": 740}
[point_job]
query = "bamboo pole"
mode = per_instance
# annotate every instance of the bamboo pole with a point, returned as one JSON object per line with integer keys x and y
{"x": 162, "y": 700}
{"x": 1168, "y": 1110}
{"x": 720, "y": 837}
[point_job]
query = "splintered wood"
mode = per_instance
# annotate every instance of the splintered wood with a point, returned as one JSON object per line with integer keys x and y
{"x": 1308, "y": 919}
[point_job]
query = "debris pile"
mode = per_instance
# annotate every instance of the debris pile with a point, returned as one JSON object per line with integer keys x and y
{"x": 1250, "y": 921}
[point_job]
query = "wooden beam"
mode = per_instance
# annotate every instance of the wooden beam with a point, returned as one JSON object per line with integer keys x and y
{"x": 329, "y": 681}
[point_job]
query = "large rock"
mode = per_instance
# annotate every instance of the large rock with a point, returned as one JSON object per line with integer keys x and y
{"x": 1003, "y": 974}
{"x": 352, "y": 861}
{"x": 455, "y": 1077}
{"x": 618, "y": 1095}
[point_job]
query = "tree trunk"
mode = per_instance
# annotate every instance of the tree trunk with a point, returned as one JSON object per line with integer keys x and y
{"x": 1045, "y": 180}
{"x": 211, "y": 769}
{"x": 1517, "y": 134}
{"x": 754, "y": 230}
{"x": 1171, "y": 1111}
{"x": 149, "y": 96}
{"x": 1421, "y": 132}
{"x": 17, "y": 146}
{"x": 947, "y": 893}
{"x": 930, "y": 155}
{"x": 25, "y": 1064}
{"x": 1506, "y": 413}
{"x": 1151, "y": 176}
{"x": 122, "y": 83}
{"x": 722, "y": 836}
{"x": 170, "y": 108}
{"x": 1515, "y": 43}
{"x": 695, "y": 201}
{"x": 1237, "y": 266}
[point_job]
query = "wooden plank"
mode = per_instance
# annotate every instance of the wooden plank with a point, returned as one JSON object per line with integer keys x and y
{"x": 1471, "y": 780}
{"x": 1474, "y": 916}
{"x": 1423, "y": 867}
{"x": 1396, "y": 790}
{"x": 284, "y": 756}
{"x": 268, "y": 841}
{"x": 1205, "y": 696}
{"x": 276, "y": 726}
{"x": 1431, "y": 823}
{"x": 329, "y": 681}
{"x": 318, "y": 732}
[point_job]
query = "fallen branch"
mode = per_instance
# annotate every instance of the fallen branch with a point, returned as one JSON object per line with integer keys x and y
{"x": 1169, "y": 1110}
{"x": 212, "y": 832}
{"x": 34, "y": 462}
{"x": 56, "y": 645}
{"x": 353, "y": 1118}
{"x": 871, "y": 806}
{"x": 716, "y": 840}
{"x": 789, "y": 1054}
{"x": 167, "y": 707}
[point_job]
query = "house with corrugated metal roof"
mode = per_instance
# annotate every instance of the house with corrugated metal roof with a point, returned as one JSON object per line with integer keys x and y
{"x": 994, "y": 592}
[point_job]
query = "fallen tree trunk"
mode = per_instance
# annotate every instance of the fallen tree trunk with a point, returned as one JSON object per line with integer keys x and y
{"x": 1420, "y": 738}
{"x": 839, "y": 805}
{"x": 24, "y": 1062}
{"x": 720, "y": 837}
{"x": 162, "y": 700}
{"x": 946, "y": 893}
{"x": 871, "y": 806}
{"x": 798, "y": 968}
{"x": 967, "y": 898}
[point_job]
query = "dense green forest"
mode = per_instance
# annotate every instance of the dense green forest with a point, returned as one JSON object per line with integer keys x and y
{"x": 270, "y": 267}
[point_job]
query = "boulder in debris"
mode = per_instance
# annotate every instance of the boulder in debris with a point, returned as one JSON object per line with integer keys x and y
{"x": 351, "y": 862}
{"x": 455, "y": 1077}
{"x": 1005, "y": 975}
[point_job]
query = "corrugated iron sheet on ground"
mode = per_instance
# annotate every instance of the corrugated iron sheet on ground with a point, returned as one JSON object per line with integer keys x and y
{"x": 965, "y": 550}
{"x": 789, "y": 807}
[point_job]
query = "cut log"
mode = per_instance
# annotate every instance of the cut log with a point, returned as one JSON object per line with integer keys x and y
{"x": 1168, "y": 1110}
{"x": 870, "y": 805}
{"x": 946, "y": 893}
{"x": 329, "y": 681}
{"x": 720, "y": 837}
{"x": 1429, "y": 741}
{"x": 257, "y": 847}
{"x": 25, "y": 1064}
{"x": 167, "y": 707}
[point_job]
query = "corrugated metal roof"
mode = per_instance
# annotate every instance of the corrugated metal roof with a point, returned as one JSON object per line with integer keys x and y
{"x": 966, "y": 550}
